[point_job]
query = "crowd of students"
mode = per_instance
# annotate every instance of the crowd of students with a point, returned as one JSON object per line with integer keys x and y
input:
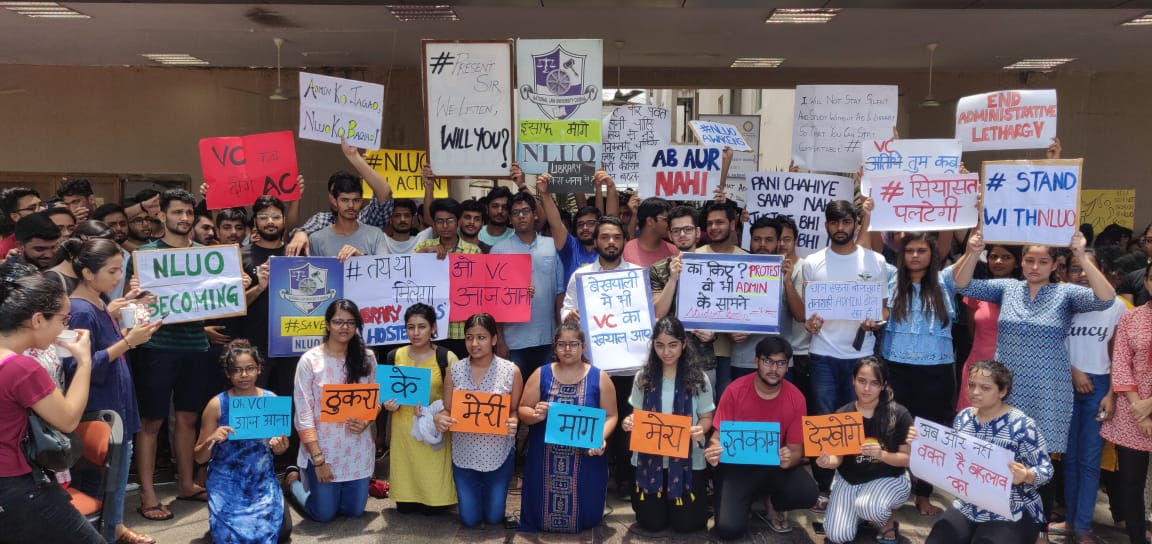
{"x": 1053, "y": 362}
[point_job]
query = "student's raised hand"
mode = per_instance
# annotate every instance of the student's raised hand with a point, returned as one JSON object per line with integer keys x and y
{"x": 222, "y": 433}
{"x": 298, "y": 245}
{"x": 1054, "y": 149}
{"x": 350, "y": 151}
{"x": 976, "y": 243}
{"x": 542, "y": 183}
{"x": 516, "y": 174}
{"x": 814, "y": 324}
{"x": 391, "y": 405}
{"x": 1078, "y": 244}
{"x": 262, "y": 275}
{"x": 792, "y": 166}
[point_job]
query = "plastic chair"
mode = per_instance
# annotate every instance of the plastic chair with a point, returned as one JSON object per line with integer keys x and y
{"x": 102, "y": 434}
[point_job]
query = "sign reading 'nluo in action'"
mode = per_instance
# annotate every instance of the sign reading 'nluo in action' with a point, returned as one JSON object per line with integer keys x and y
{"x": 192, "y": 284}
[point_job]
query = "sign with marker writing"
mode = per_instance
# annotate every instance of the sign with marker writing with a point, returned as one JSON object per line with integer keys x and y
{"x": 833, "y": 122}
{"x": 192, "y": 284}
{"x": 407, "y": 385}
{"x": 616, "y": 310}
{"x": 576, "y": 426}
{"x": 495, "y": 284}
{"x": 385, "y": 286}
{"x": 919, "y": 202}
{"x": 712, "y": 133}
{"x": 750, "y": 443}
{"x": 744, "y": 163}
{"x": 341, "y": 401}
{"x": 893, "y": 157}
{"x": 628, "y": 130}
{"x": 1032, "y": 202}
{"x": 1007, "y": 120}
{"x": 468, "y": 93}
{"x": 730, "y": 293}
{"x": 848, "y": 300}
{"x": 1103, "y": 207}
{"x": 332, "y": 108}
{"x": 480, "y": 412}
{"x": 559, "y": 101}
{"x": 259, "y": 417}
{"x": 237, "y": 169}
{"x": 571, "y": 177}
{"x": 401, "y": 169}
{"x": 834, "y": 434}
{"x": 800, "y": 196}
{"x": 299, "y": 292}
{"x": 658, "y": 433}
{"x": 679, "y": 172}
{"x": 974, "y": 470}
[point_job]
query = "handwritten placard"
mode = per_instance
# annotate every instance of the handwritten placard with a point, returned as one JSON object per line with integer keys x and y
{"x": 1023, "y": 119}
{"x": 560, "y": 86}
{"x": 972, "y": 469}
{"x": 800, "y": 196}
{"x": 922, "y": 201}
{"x": 341, "y": 401}
{"x": 299, "y": 292}
{"x": 496, "y": 284}
{"x": 332, "y": 108}
{"x": 750, "y": 443}
{"x": 744, "y": 163}
{"x": 576, "y": 426}
{"x": 717, "y": 134}
{"x": 259, "y": 417}
{"x": 834, "y": 434}
{"x": 238, "y": 169}
{"x": 192, "y": 284}
{"x": 679, "y": 172}
{"x": 407, "y": 385}
{"x": 850, "y": 300}
{"x": 730, "y": 293}
{"x": 571, "y": 177}
{"x": 616, "y": 311}
{"x": 480, "y": 412}
{"x": 468, "y": 93}
{"x": 658, "y": 433}
{"x": 833, "y": 122}
{"x": 1032, "y": 202}
{"x": 932, "y": 156}
{"x": 628, "y": 130}
{"x": 385, "y": 286}
{"x": 401, "y": 169}
{"x": 1103, "y": 207}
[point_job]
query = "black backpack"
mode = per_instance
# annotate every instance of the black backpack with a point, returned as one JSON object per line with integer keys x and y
{"x": 441, "y": 359}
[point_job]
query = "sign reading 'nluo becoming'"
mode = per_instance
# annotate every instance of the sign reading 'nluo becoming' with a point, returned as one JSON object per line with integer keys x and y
{"x": 192, "y": 284}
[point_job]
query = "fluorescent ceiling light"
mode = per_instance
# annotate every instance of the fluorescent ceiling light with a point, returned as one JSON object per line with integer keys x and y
{"x": 1037, "y": 64}
{"x": 1143, "y": 20}
{"x": 180, "y": 59}
{"x": 43, "y": 10}
{"x": 439, "y": 12}
{"x": 756, "y": 62}
{"x": 801, "y": 15}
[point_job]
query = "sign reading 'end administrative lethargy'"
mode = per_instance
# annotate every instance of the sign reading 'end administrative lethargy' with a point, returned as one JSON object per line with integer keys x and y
{"x": 679, "y": 172}
{"x": 833, "y": 122}
{"x": 1007, "y": 120}
{"x": 192, "y": 284}
{"x": 800, "y": 196}
{"x": 730, "y": 293}
{"x": 1032, "y": 202}
{"x": 332, "y": 108}
{"x": 238, "y": 169}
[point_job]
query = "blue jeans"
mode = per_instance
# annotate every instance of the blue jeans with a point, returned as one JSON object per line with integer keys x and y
{"x": 481, "y": 496}
{"x": 529, "y": 359}
{"x": 322, "y": 501}
{"x": 91, "y": 482}
{"x": 831, "y": 382}
{"x": 1082, "y": 460}
{"x": 38, "y": 510}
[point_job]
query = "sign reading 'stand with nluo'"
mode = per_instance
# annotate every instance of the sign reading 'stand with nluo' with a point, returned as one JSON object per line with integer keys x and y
{"x": 192, "y": 284}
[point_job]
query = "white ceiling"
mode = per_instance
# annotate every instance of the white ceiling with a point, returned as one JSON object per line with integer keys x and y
{"x": 974, "y": 35}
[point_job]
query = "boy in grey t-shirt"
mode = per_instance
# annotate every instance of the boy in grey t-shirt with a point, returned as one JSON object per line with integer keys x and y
{"x": 346, "y": 237}
{"x": 368, "y": 240}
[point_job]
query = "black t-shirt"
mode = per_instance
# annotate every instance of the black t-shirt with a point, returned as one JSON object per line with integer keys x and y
{"x": 1133, "y": 284}
{"x": 255, "y": 324}
{"x": 858, "y": 469}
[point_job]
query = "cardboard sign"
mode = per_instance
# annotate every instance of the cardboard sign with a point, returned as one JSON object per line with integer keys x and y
{"x": 407, "y": 385}
{"x": 848, "y": 300}
{"x": 616, "y": 310}
{"x": 558, "y": 101}
{"x": 480, "y": 412}
{"x": 679, "y": 172}
{"x": 802, "y": 197}
{"x": 299, "y": 292}
{"x": 730, "y": 293}
{"x": 973, "y": 470}
{"x": 468, "y": 92}
{"x": 332, "y": 108}
{"x": 571, "y": 177}
{"x": 341, "y": 401}
{"x": 744, "y": 163}
{"x": 238, "y": 169}
{"x": 834, "y": 434}
{"x": 401, "y": 169}
{"x": 891, "y": 157}
{"x": 259, "y": 417}
{"x": 1103, "y": 207}
{"x": 750, "y": 443}
{"x": 712, "y": 133}
{"x": 192, "y": 284}
{"x": 576, "y": 426}
{"x": 628, "y": 130}
{"x": 658, "y": 433}
{"x": 495, "y": 284}
{"x": 833, "y": 122}
{"x": 385, "y": 286}
{"x": 919, "y": 202}
{"x": 1007, "y": 120}
{"x": 1032, "y": 202}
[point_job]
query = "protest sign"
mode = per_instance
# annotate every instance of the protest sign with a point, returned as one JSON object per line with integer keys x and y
{"x": 299, "y": 292}
{"x": 340, "y": 401}
{"x": 1007, "y": 120}
{"x": 576, "y": 426}
{"x": 799, "y": 196}
{"x": 744, "y": 163}
{"x": 332, "y": 108}
{"x": 850, "y": 300}
{"x": 679, "y": 172}
{"x": 834, "y": 434}
{"x": 713, "y": 133}
{"x": 385, "y": 286}
{"x": 192, "y": 284}
{"x": 559, "y": 96}
{"x": 237, "y": 169}
{"x": 628, "y": 130}
{"x": 407, "y": 385}
{"x": 495, "y": 284}
{"x": 658, "y": 433}
{"x": 1031, "y": 202}
{"x": 571, "y": 177}
{"x": 750, "y": 443}
{"x": 1103, "y": 207}
{"x": 730, "y": 293}
{"x": 401, "y": 169}
{"x": 480, "y": 412}
{"x": 259, "y": 417}
{"x": 922, "y": 201}
{"x": 468, "y": 92}
{"x": 974, "y": 470}
{"x": 892, "y": 157}
{"x": 616, "y": 310}
{"x": 832, "y": 123}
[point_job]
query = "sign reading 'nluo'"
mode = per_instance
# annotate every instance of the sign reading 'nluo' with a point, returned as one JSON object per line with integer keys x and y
{"x": 192, "y": 284}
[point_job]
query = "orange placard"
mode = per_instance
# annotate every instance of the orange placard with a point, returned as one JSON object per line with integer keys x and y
{"x": 341, "y": 401}
{"x": 480, "y": 412}
{"x": 661, "y": 434}
{"x": 836, "y": 434}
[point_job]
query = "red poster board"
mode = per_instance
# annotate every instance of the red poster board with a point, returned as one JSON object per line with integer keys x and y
{"x": 494, "y": 284}
{"x": 238, "y": 169}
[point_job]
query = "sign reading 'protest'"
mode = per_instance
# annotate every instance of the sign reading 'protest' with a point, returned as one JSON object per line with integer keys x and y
{"x": 299, "y": 292}
{"x": 1103, "y": 207}
{"x": 972, "y": 469}
{"x": 658, "y": 433}
{"x": 495, "y": 284}
{"x": 259, "y": 417}
{"x": 407, "y": 385}
{"x": 559, "y": 101}
{"x": 340, "y": 401}
{"x": 1032, "y": 202}
{"x": 192, "y": 284}
{"x": 401, "y": 169}
{"x": 616, "y": 310}
{"x": 848, "y": 300}
{"x": 571, "y": 177}
{"x": 628, "y": 130}
{"x": 713, "y": 133}
{"x": 834, "y": 434}
{"x": 922, "y": 201}
{"x": 679, "y": 172}
{"x": 750, "y": 443}
{"x": 480, "y": 412}
{"x": 1007, "y": 120}
{"x": 238, "y": 169}
{"x": 332, "y": 108}
{"x": 833, "y": 122}
{"x": 730, "y": 293}
{"x": 802, "y": 197}
{"x": 385, "y": 286}
{"x": 576, "y": 426}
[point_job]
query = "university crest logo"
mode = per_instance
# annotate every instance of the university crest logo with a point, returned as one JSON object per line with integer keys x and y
{"x": 559, "y": 87}
{"x": 306, "y": 288}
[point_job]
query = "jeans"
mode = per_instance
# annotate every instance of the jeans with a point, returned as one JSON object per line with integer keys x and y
{"x": 91, "y": 482}
{"x": 953, "y": 528}
{"x": 831, "y": 382}
{"x": 529, "y": 359}
{"x": 1133, "y": 474}
{"x": 723, "y": 375}
{"x": 481, "y": 496}
{"x": 38, "y": 510}
{"x": 738, "y": 485}
{"x": 1082, "y": 459}
{"x": 322, "y": 501}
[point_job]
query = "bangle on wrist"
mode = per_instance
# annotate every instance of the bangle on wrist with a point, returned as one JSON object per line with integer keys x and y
{"x": 127, "y": 343}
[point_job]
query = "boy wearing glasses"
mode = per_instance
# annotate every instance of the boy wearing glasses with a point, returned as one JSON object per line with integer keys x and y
{"x": 445, "y": 217}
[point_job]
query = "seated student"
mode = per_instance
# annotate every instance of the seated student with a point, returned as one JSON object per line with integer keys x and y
{"x": 762, "y": 397}
{"x": 347, "y": 236}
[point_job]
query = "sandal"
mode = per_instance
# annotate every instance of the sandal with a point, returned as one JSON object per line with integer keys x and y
{"x": 891, "y": 536}
{"x": 778, "y": 523}
{"x": 134, "y": 537}
{"x": 1058, "y": 528}
{"x": 821, "y": 504}
{"x": 155, "y": 513}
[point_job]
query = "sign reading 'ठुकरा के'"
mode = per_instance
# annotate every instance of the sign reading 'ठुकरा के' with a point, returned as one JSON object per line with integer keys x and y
{"x": 468, "y": 100}
{"x": 797, "y": 195}
{"x": 192, "y": 284}
{"x": 628, "y": 130}
{"x": 1032, "y": 202}
{"x": 832, "y": 123}
{"x": 333, "y": 107}
{"x": 559, "y": 101}
{"x": 1007, "y": 120}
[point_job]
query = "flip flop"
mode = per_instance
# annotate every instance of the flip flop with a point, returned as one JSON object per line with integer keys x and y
{"x": 149, "y": 513}
{"x": 778, "y": 523}
{"x": 201, "y": 496}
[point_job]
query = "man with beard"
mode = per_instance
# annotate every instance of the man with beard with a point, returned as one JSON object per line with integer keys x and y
{"x": 347, "y": 237}
{"x": 579, "y": 249}
{"x": 652, "y": 244}
{"x": 499, "y": 199}
{"x": 231, "y": 226}
{"x": 140, "y": 231}
{"x": 720, "y": 222}
{"x": 204, "y": 229}
{"x": 792, "y": 311}
{"x": 764, "y": 239}
{"x": 37, "y": 237}
{"x": 78, "y": 196}
{"x": 763, "y": 396}
{"x": 404, "y": 237}
{"x": 445, "y": 215}
{"x": 113, "y": 215}
{"x": 17, "y": 203}
{"x": 471, "y": 221}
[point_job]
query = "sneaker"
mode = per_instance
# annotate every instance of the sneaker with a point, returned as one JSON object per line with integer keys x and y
{"x": 821, "y": 504}
{"x": 132, "y": 488}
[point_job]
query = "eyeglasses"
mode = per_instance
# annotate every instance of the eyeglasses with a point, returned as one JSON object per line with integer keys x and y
{"x": 681, "y": 231}
{"x": 342, "y": 323}
{"x": 446, "y": 221}
{"x": 1146, "y": 240}
{"x": 521, "y": 212}
{"x": 267, "y": 217}
{"x": 1075, "y": 270}
{"x": 33, "y": 208}
{"x": 782, "y": 363}
{"x": 585, "y": 224}
{"x": 567, "y": 346}
{"x": 244, "y": 371}
{"x": 65, "y": 318}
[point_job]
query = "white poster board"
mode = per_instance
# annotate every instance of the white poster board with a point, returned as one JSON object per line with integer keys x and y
{"x": 559, "y": 88}
{"x": 929, "y": 156}
{"x": 922, "y": 201}
{"x": 679, "y": 172}
{"x": 628, "y": 130}
{"x": 1007, "y": 120}
{"x": 833, "y": 122}
{"x": 847, "y": 300}
{"x": 974, "y": 470}
{"x": 333, "y": 107}
{"x": 744, "y": 163}
{"x": 616, "y": 311}
{"x": 192, "y": 284}
{"x": 800, "y": 196}
{"x": 730, "y": 293}
{"x": 385, "y": 286}
{"x": 1032, "y": 202}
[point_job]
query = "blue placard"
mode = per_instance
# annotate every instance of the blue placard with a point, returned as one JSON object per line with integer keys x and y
{"x": 408, "y": 385}
{"x": 577, "y": 426}
{"x": 299, "y": 291}
{"x": 750, "y": 443}
{"x": 259, "y": 417}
